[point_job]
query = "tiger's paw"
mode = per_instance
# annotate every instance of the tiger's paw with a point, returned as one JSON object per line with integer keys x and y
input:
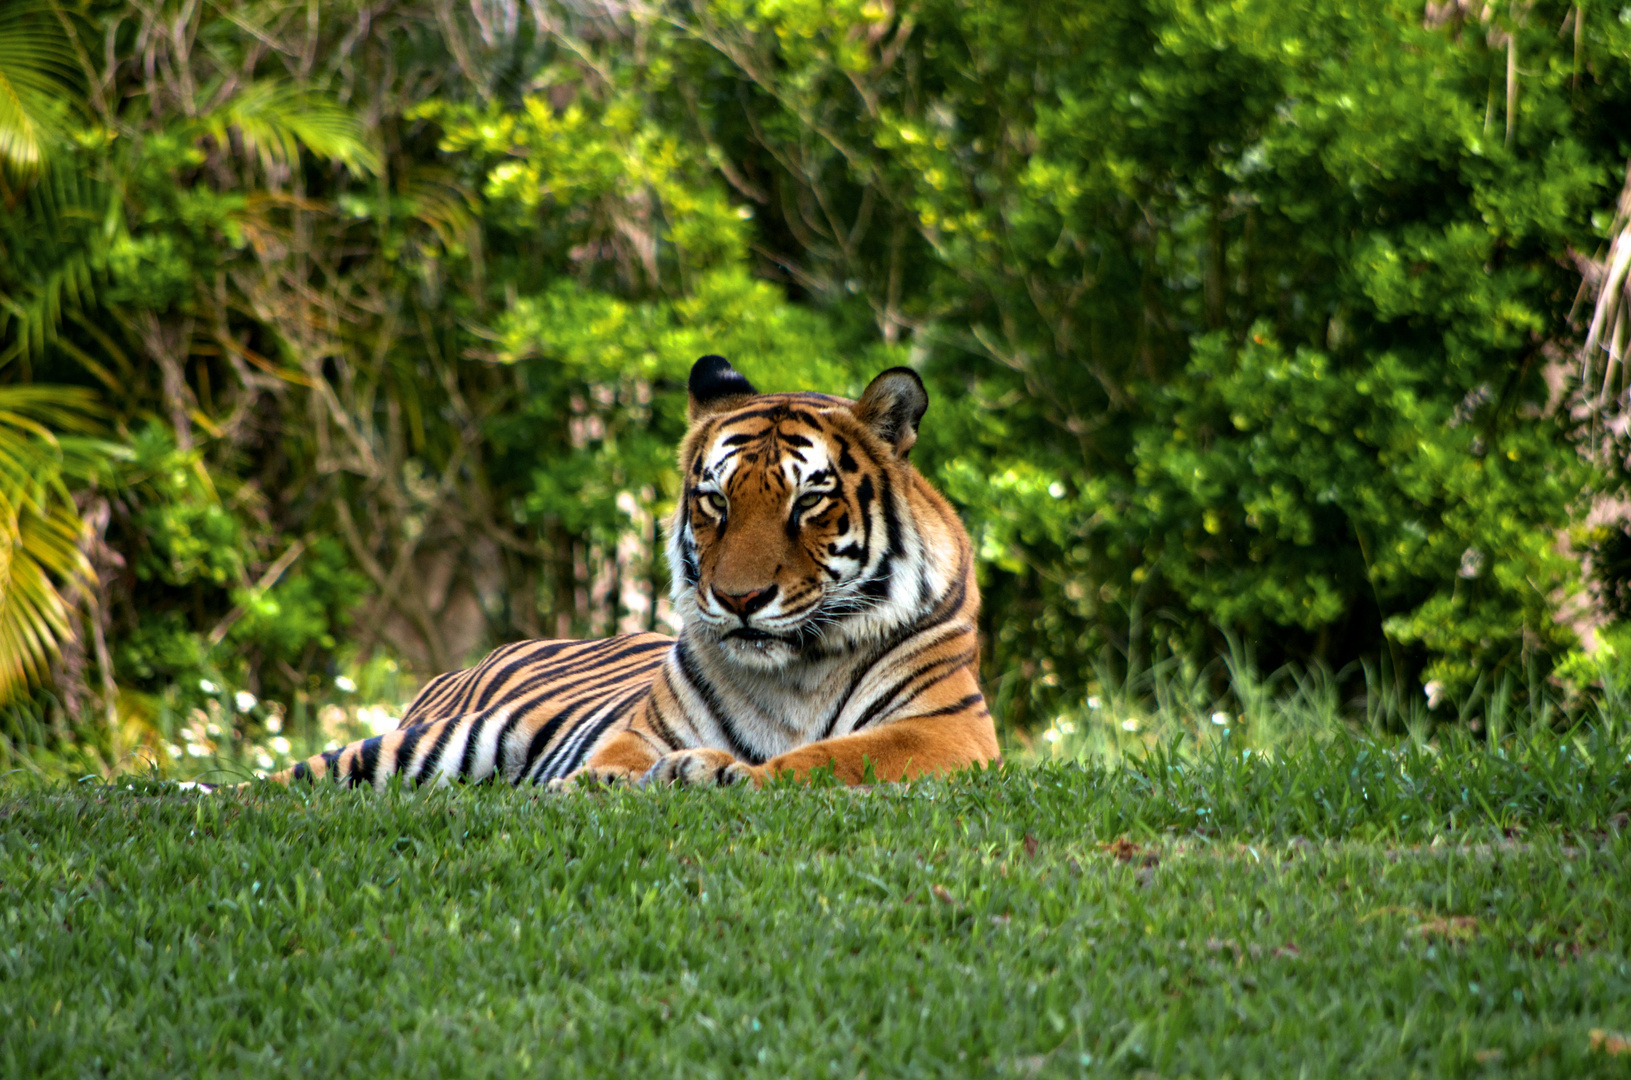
{"x": 593, "y": 776}
{"x": 700, "y": 767}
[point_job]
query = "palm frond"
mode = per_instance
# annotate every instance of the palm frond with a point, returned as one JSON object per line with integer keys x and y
{"x": 39, "y": 81}
{"x": 35, "y": 616}
{"x": 275, "y": 120}
{"x": 52, "y": 254}
{"x": 42, "y": 560}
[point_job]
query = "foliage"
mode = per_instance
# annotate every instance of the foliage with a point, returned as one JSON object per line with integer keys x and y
{"x": 1243, "y": 322}
{"x": 1375, "y": 909}
{"x": 43, "y": 567}
{"x": 1276, "y": 322}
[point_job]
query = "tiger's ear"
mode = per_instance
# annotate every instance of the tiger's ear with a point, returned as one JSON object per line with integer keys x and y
{"x": 715, "y": 386}
{"x": 893, "y": 404}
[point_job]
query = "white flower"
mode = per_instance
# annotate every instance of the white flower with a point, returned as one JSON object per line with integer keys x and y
{"x": 345, "y": 685}
{"x": 1094, "y": 703}
{"x": 172, "y": 749}
{"x": 197, "y": 750}
{"x": 1051, "y": 735}
{"x": 1129, "y": 725}
{"x": 1435, "y": 693}
{"x": 1056, "y": 489}
{"x": 1221, "y": 719}
{"x": 245, "y": 700}
{"x": 208, "y": 687}
{"x": 263, "y": 759}
{"x": 1067, "y": 727}
{"x": 274, "y": 723}
{"x": 280, "y": 744}
{"x": 213, "y": 730}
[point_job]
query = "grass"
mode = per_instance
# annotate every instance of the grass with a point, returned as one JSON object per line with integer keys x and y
{"x": 1352, "y": 908}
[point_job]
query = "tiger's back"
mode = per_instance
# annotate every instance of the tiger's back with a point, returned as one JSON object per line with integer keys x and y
{"x": 529, "y": 712}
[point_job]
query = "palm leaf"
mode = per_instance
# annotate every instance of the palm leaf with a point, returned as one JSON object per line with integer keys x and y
{"x": 274, "y": 120}
{"x": 34, "y": 614}
{"x": 52, "y": 252}
{"x": 39, "y": 77}
{"x": 42, "y": 560}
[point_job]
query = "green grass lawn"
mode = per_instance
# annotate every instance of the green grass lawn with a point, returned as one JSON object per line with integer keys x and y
{"x": 1346, "y": 911}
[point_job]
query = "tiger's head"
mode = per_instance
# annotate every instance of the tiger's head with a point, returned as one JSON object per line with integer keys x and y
{"x": 803, "y": 530}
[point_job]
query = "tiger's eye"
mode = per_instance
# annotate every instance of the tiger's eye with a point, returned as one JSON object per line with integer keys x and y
{"x": 809, "y": 501}
{"x": 715, "y": 502}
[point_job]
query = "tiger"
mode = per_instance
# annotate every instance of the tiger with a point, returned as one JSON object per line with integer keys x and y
{"x": 827, "y": 603}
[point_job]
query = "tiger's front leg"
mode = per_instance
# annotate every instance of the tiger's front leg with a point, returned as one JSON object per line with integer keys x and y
{"x": 902, "y": 750}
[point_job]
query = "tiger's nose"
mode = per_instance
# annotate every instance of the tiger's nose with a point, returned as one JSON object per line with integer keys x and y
{"x": 745, "y": 604}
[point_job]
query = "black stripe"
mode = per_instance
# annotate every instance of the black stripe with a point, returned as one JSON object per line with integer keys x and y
{"x": 353, "y": 771}
{"x": 864, "y": 493}
{"x": 619, "y": 713}
{"x": 468, "y": 758}
{"x": 330, "y": 758}
{"x": 891, "y": 516}
{"x": 570, "y": 752}
{"x": 951, "y": 664}
{"x": 659, "y": 722}
{"x": 461, "y": 700}
{"x": 595, "y": 657}
{"x": 496, "y": 679}
{"x": 455, "y": 698}
{"x": 550, "y": 682}
{"x": 887, "y": 700}
{"x": 593, "y": 668}
{"x": 301, "y": 771}
{"x": 369, "y": 755}
{"x": 955, "y": 707}
{"x": 404, "y": 749}
{"x": 949, "y": 608}
{"x": 878, "y": 582}
{"x": 845, "y": 460}
{"x": 434, "y": 757}
{"x": 689, "y": 571}
{"x": 487, "y": 674}
{"x": 705, "y": 690}
{"x": 431, "y": 691}
{"x": 774, "y": 413}
{"x": 503, "y": 735}
{"x": 547, "y": 730}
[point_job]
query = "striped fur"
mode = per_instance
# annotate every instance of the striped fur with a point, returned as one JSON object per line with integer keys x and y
{"x": 828, "y": 602}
